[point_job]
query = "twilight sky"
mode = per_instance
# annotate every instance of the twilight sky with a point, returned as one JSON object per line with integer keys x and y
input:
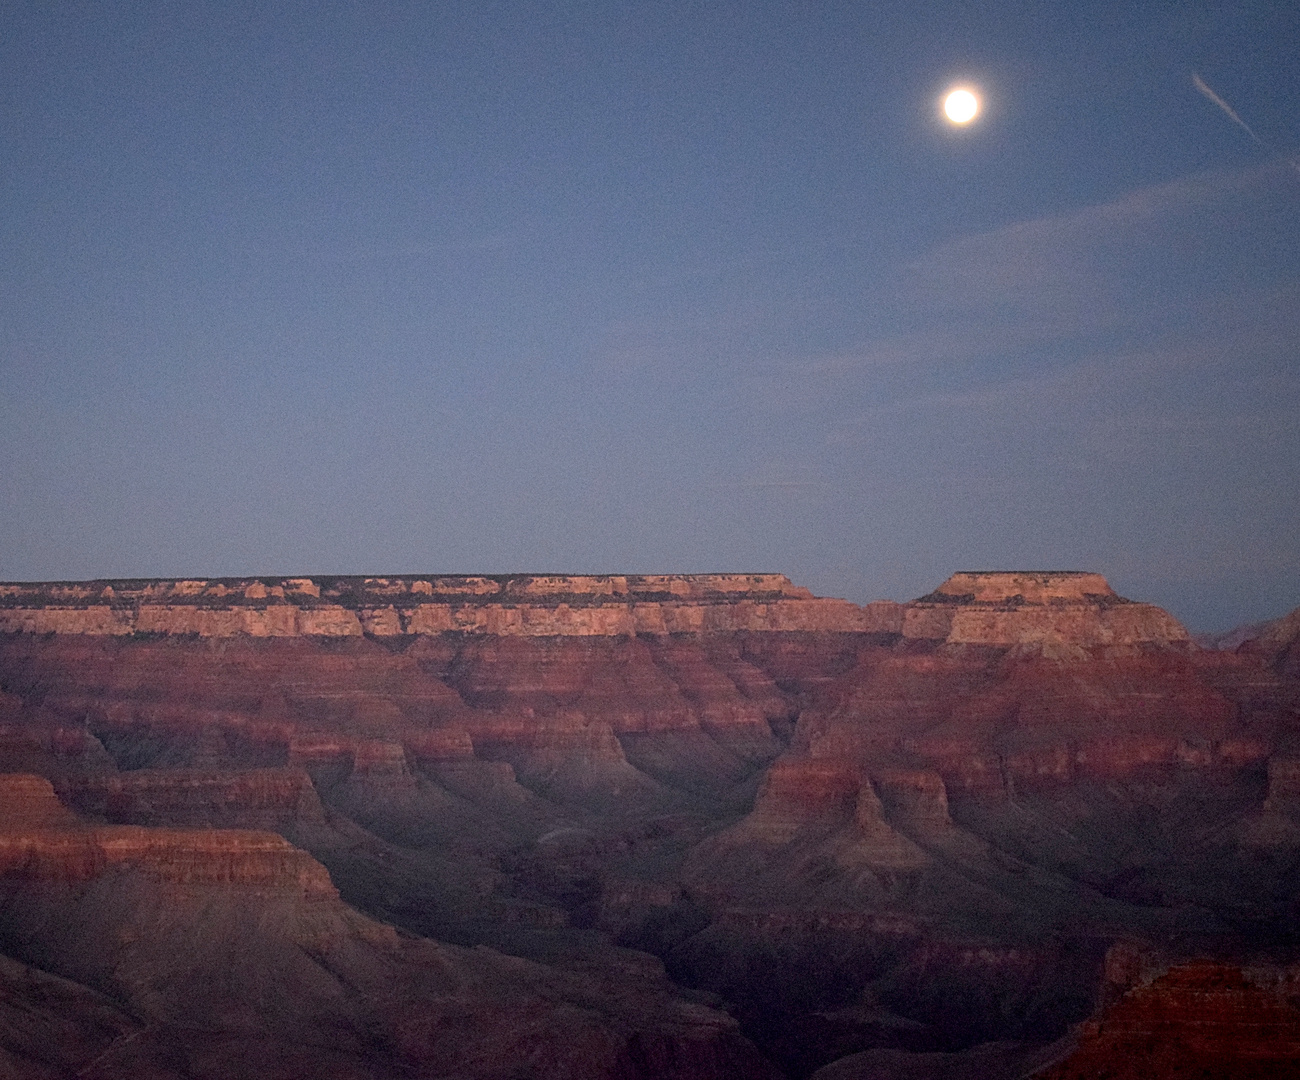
{"x": 658, "y": 287}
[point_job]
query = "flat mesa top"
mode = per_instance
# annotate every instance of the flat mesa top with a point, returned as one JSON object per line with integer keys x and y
{"x": 1027, "y": 586}
{"x": 352, "y": 591}
{"x": 972, "y": 607}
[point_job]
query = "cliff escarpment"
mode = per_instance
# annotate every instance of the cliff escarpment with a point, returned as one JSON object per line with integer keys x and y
{"x": 40, "y": 839}
{"x": 1198, "y": 1018}
{"x": 898, "y": 830}
{"x": 990, "y": 608}
{"x": 529, "y": 606}
{"x": 134, "y": 950}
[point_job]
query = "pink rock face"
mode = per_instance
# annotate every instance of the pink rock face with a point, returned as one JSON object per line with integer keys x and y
{"x": 809, "y": 789}
{"x": 529, "y": 606}
{"x": 1059, "y": 613}
{"x": 986, "y": 716}
{"x": 1027, "y": 587}
{"x": 1020, "y": 678}
{"x": 992, "y": 608}
{"x": 40, "y": 840}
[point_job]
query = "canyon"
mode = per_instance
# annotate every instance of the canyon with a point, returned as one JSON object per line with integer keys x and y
{"x": 642, "y": 825}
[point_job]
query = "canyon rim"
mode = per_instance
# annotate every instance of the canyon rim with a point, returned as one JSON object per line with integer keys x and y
{"x": 641, "y": 826}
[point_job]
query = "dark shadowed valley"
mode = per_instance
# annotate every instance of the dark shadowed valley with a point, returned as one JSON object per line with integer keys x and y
{"x": 689, "y": 827}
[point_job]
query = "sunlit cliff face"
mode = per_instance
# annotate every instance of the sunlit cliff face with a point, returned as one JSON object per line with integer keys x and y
{"x": 961, "y": 609}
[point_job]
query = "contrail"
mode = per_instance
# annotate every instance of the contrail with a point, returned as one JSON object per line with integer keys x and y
{"x": 1199, "y": 83}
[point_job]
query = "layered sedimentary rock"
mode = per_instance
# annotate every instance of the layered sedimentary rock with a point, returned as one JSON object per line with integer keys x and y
{"x": 1199, "y": 1018}
{"x": 972, "y": 607}
{"x": 1052, "y": 610}
{"x": 254, "y": 798}
{"x": 42, "y": 840}
{"x": 1024, "y": 687}
{"x": 530, "y": 606}
{"x": 228, "y": 953}
{"x": 1034, "y": 754}
{"x": 881, "y": 830}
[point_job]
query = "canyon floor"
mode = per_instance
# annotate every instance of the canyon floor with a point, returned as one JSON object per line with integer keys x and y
{"x": 642, "y": 826}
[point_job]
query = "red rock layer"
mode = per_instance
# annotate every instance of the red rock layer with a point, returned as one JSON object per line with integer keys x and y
{"x": 42, "y": 841}
{"x": 1201, "y": 1019}
{"x": 985, "y": 720}
{"x": 635, "y": 686}
{"x": 261, "y": 798}
{"x": 1002, "y": 680}
{"x": 360, "y": 706}
{"x": 29, "y": 802}
{"x": 948, "y": 780}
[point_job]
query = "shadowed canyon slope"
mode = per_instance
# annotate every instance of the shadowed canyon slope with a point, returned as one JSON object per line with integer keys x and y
{"x": 637, "y": 826}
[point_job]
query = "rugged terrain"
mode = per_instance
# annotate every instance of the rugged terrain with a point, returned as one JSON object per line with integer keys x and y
{"x": 627, "y": 826}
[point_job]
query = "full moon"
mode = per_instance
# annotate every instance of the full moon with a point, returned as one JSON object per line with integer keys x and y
{"x": 961, "y": 106}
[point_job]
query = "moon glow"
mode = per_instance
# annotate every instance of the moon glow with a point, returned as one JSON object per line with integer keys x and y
{"x": 961, "y": 106}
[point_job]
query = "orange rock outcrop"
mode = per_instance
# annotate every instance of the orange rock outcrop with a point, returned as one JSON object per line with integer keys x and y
{"x": 41, "y": 840}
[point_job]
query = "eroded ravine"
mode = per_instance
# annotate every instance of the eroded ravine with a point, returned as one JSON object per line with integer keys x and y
{"x": 894, "y": 829}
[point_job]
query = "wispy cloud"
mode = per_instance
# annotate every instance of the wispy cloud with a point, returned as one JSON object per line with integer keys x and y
{"x": 1199, "y": 83}
{"x": 1064, "y": 286}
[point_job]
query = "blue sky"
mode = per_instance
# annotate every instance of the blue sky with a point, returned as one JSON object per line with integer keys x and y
{"x": 660, "y": 287}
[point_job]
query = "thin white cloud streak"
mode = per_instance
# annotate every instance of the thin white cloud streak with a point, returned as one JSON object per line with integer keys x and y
{"x": 1199, "y": 83}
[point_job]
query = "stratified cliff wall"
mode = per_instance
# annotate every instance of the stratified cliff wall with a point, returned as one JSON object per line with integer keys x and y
{"x": 1199, "y": 1018}
{"x": 975, "y": 608}
{"x": 230, "y": 951}
{"x": 899, "y": 826}
{"x": 1061, "y": 609}
{"x": 42, "y": 840}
